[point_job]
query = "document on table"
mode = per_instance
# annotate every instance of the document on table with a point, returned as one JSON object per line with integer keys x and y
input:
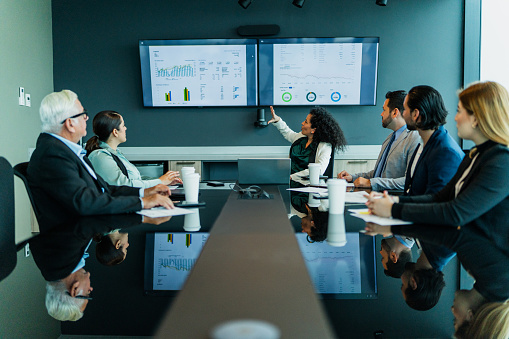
{"x": 356, "y": 197}
{"x": 365, "y": 215}
{"x": 158, "y": 212}
{"x": 309, "y": 189}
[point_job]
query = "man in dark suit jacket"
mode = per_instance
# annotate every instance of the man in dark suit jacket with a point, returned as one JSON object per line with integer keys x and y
{"x": 63, "y": 182}
{"x": 436, "y": 161}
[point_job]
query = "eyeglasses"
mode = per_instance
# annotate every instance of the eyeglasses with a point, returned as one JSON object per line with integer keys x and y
{"x": 79, "y": 296}
{"x": 85, "y": 113}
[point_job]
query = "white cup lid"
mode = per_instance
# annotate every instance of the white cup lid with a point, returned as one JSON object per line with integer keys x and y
{"x": 245, "y": 329}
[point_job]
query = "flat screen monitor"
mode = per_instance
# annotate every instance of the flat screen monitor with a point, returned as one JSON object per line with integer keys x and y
{"x": 195, "y": 73}
{"x": 318, "y": 71}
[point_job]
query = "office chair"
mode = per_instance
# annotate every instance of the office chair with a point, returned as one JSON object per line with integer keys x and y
{"x": 8, "y": 256}
{"x": 20, "y": 170}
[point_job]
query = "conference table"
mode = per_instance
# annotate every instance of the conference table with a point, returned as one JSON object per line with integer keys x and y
{"x": 250, "y": 268}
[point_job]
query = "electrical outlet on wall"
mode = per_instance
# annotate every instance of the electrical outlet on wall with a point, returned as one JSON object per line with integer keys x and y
{"x": 21, "y": 96}
{"x": 28, "y": 102}
{"x": 27, "y": 250}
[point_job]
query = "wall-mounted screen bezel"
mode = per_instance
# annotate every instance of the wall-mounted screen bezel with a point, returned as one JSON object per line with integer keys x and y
{"x": 318, "y": 71}
{"x": 199, "y": 72}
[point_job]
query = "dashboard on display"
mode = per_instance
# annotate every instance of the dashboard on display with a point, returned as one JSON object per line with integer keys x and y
{"x": 208, "y": 72}
{"x": 318, "y": 71}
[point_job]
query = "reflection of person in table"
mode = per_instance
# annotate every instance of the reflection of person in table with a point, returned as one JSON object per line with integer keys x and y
{"x": 313, "y": 220}
{"x": 320, "y": 136}
{"x": 111, "y": 248}
{"x": 315, "y": 224}
{"x": 489, "y": 269}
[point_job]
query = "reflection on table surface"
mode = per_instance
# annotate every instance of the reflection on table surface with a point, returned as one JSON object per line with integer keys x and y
{"x": 125, "y": 294}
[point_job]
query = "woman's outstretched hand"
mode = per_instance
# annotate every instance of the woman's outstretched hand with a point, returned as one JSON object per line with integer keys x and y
{"x": 275, "y": 118}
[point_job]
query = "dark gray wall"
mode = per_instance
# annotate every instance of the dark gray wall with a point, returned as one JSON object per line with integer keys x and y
{"x": 96, "y": 55}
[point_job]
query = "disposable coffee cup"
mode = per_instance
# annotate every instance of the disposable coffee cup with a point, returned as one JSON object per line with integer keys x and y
{"x": 245, "y": 329}
{"x": 192, "y": 221}
{"x": 337, "y": 191}
{"x": 336, "y": 234}
{"x": 191, "y": 187}
{"x": 312, "y": 202}
{"x": 186, "y": 170}
{"x": 314, "y": 173}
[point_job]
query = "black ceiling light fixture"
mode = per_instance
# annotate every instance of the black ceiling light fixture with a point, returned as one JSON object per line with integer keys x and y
{"x": 381, "y": 2}
{"x": 298, "y": 3}
{"x": 245, "y": 3}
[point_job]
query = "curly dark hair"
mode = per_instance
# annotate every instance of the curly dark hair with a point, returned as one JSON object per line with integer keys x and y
{"x": 327, "y": 129}
{"x": 321, "y": 220}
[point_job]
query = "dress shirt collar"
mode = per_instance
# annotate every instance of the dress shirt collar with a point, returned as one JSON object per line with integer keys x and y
{"x": 407, "y": 241}
{"x": 75, "y": 148}
{"x": 398, "y": 132}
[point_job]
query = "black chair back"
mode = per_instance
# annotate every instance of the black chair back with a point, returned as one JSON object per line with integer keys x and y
{"x": 8, "y": 256}
{"x": 20, "y": 170}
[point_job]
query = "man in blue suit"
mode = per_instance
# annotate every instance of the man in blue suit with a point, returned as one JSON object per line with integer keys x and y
{"x": 436, "y": 160}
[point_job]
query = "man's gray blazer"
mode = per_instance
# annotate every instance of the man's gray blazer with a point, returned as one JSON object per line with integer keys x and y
{"x": 393, "y": 176}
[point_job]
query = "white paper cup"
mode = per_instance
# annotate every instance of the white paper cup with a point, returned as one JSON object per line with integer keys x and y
{"x": 186, "y": 170}
{"x": 192, "y": 221}
{"x": 314, "y": 173}
{"x": 312, "y": 202}
{"x": 245, "y": 329}
{"x": 191, "y": 186}
{"x": 337, "y": 191}
{"x": 336, "y": 235}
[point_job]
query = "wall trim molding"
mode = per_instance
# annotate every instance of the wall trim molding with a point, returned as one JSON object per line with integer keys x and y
{"x": 233, "y": 153}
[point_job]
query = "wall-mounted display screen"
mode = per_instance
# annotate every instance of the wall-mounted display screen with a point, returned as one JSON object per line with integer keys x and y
{"x": 318, "y": 71}
{"x": 209, "y": 72}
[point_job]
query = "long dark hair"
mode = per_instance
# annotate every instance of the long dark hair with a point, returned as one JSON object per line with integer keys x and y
{"x": 103, "y": 125}
{"x": 327, "y": 129}
{"x": 106, "y": 252}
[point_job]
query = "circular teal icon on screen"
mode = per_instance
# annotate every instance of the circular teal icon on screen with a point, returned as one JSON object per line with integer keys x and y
{"x": 287, "y": 97}
{"x": 311, "y": 96}
{"x": 335, "y": 96}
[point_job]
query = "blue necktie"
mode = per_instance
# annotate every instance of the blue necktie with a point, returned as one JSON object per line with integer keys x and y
{"x": 383, "y": 160}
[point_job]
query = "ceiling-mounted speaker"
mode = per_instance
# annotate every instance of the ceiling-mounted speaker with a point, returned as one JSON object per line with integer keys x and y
{"x": 258, "y": 30}
{"x": 298, "y": 3}
{"x": 245, "y": 3}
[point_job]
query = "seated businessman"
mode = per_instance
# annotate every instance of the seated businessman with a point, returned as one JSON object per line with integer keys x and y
{"x": 397, "y": 149}
{"x": 63, "y": 181}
